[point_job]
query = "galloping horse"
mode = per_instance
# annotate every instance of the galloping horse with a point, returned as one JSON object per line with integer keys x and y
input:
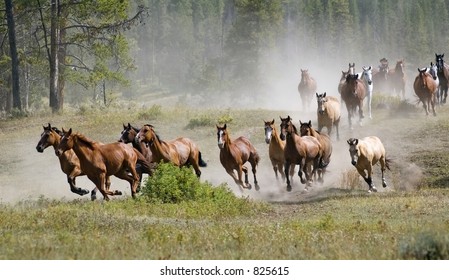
{"x": 342, "y": 80}
{"x": 68, "y": 161}
{"x": 380, "y": 78}
{"x": 234, "y": 154}
{"x": 433, "y": 71}
{"x": 425, "y": 88}
{"x": 306, "y": 88}
{"x": 443, "y": 76}
{"x": 306, "y": 129}
{"x": 99, "y": 161}
{"x": 305, "y": 151}
{"x": 328, "y": 113}
{"x": 276, "y": 149}
{"x": 396, "y": 79}
{"x": 353, "y": 93}
{"x": 181, "y": 151}
{"x": 128, "y": 135}
{"x": 365, "y": 153}
{"x": 367, "y": 77}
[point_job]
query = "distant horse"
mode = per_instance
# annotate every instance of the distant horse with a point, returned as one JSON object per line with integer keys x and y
{"x": 342, "y": 80}
{"x": 433, "y": 71}
{"x": 396, "y": 79}
{"x": 365, "y": 153}
{"x": 328, "y": 113}
{"x": 351, "y": 69}
{"x": 380, "y": 78}
{"x": 353, "y": 93}
{"x": 181, "y": 151}
{"x": 276, "y": 149}
{"x": 68, "y": 161}
{"x": 304, "y": 151}
{"x": 234, "y": 154}
{"x": 367, "y": 77}
{"x": 425, "y": 88}
{"x": 443, "y": 76}
{"x": 99, "y": 161}
{"x": 306, "y": 88}
{"x": 306, "y": 129}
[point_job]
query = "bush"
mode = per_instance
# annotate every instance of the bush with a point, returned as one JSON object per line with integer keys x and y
{"x": 171, "y": 184}
{"x": 425, "y": 246}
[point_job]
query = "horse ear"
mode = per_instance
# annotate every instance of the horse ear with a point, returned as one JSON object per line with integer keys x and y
{"x": 356, "y": 141}
{"x": 324, "y": 94}
{"x": 310, "y": 123}
{"x": 349, "y": 142}
{"x": 272, "y": 122}
{"x": 317, "y": 94}
{"x": 224, "y": 126}
{"x": 129, "y": 125}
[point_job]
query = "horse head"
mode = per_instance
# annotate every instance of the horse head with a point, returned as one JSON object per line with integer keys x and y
{"x": 353, "y": 150}
{"x": 367, "y": 74}
{"x": 321, "y": 100}
{"x": 128, "y": 133}
{"x": 433, "y": 70}
{"x": 305, "y": 127}
{"x": 439, "y": 61}
{"x": 351, "y": 69}
{"x": 66, "y": 143}
{"x": 146, "y": 134}
{"x": 47, "y": 139}
{"x": 352, "y": 81}
{"x": 269, "y": 127}
{"x": 222, "y": 136}
{"x": 287, "y": 127}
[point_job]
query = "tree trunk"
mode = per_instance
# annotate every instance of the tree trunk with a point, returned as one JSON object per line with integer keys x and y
{"x": 54, "y": 62}
{"x": 14, "y": 58}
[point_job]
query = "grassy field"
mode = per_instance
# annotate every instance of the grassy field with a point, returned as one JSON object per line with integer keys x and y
{"x": 41, "y": 219}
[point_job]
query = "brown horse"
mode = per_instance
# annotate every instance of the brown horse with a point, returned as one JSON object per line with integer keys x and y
{"x": 234, "y": 154}
{"x": 342, "y": 80}
{"x": 396, "y": 79}
{"x": 365, "y": 153}
{"x": 306, "y": 129}
{"x": 380, "y": 78}
{"x": 305, "y": 151}
{"x": 425, "y": 88}
{"x": 306, "y": 88}
{"x": 181, "y": 151}
{"x": 68, "y": 161}
{"x": 353, "y": 93}
{"x": 328, "y": 113}
{"x": 99, "y": 161}
{"x": 276, "y": 149}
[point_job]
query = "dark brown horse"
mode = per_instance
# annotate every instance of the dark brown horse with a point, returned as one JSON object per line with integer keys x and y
{"x": 396, "y": 79}
{"x": 443, "y": 76}
{"x": 181, "y": 151}
{"x": 342, "y": 80}
{"x": 306, "y": 129}
{"x": 380, "y": 78}
{"x": 304, "y": 151}
{"x": 68, "y": 161}
{"x": 306, "y": 88}
{"x": 99, "y": 161}
{"x": 234, "y": 154}
{"x": 353, "y": 93}
{"x": 425, "y": 88}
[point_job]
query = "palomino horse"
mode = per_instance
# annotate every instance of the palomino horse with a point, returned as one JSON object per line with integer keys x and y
{"x": 433, "y": 71}
{"x": 99, "y": 161}
{"x": 328, "y": 113}
{"x": 181, "y": 151}
{"x": 68, "y": 161}
{"x": 305, "y": 151}
{"x": 276, "y": 149}
{"x": 306, "y": 88}
{"x": 380, "y": 78}
{"x": 353, "y": 93}
{"x": 306, "y": 129}
{"x": 396, "y": 79}
{"x": 365, "y": 153}
{"x": 367, "y": 77}
{"x": 425, "y": 88}
{"x": 443, "y": 76}
{"x": 234, "y": 154}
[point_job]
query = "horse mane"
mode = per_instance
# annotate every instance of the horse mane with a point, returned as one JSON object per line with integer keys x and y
{"x": 59, "y": 132}
{"x": 157, "y": 135}
{"x": 88, "y": 142}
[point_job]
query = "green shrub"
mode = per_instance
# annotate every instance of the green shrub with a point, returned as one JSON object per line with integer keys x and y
{"x": 171, "y": 184}
{"x": 200, "y": 121}
{"x": 152, "y": 113}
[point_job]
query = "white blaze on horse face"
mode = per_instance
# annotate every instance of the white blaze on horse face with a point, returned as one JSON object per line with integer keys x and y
{"x": 221, "y": 143}
{"x": 268, "y": 133}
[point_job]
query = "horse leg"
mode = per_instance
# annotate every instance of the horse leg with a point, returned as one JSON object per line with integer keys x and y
{"x": 349, "y": 117}
{"x": 302, "y": 168}
{"x": 253, "y": 169}
{"x": 238, "y": 178}
{"x": 432, "y": 103}
{"x": 383, "y": 168}
{"x": 361, "y": 116}
{"x": 369, "y": 105}
{"x": 245, "y": 171}
{"x": 286, "y": 171}
{"x": 100, "y": 183}
{"x": 73, "y": 187}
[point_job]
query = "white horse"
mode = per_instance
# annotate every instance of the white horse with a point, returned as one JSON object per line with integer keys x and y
{"x": 367, "y": 77}
{"x": 433, "y": 71}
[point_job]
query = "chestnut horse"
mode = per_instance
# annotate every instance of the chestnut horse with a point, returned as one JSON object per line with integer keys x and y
{"x": 396, "y": 79}
{"x": 443, "y": 76}
{"x": 353, "y": 93}
{"x": 328, "y": 113}
{"x": 425, "y": 88}
{"x": 234, "y": 154}
{"x": 365, "y": 153}
{"x": 180, "y": 152}
{"x": 306, "y": 129}
{"x": 342, "y": 80}
{"x": 305, "y": 151}
{"x": 276, "y": 150}
{"x": 306, "y": 88}
{"x": 99, "y": 161}
{"x": 68, "y": 161}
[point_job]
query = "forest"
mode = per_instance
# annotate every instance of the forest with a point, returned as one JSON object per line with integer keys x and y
{"x": 59, "y": 53}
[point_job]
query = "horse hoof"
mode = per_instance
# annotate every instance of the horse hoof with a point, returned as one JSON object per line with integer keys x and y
{"x": 384, "y": 184}
{"x": 372, "y": 189}
{"x": 303, "y": 181}
{"x": 83, "y": 192}
{"x": 93, "y": 197}
{"x": 289, "y": 188}
{"x": 248, "y": 186}
{"x": 117, "y": 193}
{"x": 257, "y": 187}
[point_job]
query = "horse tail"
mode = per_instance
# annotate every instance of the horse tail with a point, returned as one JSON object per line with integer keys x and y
{"x": 147, "y": 167}
{"x": 201, "y": 162}
{"x": 387, "y": 163}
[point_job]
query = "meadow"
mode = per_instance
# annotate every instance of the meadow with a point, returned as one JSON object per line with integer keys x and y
{"x": 41, "y": 219}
